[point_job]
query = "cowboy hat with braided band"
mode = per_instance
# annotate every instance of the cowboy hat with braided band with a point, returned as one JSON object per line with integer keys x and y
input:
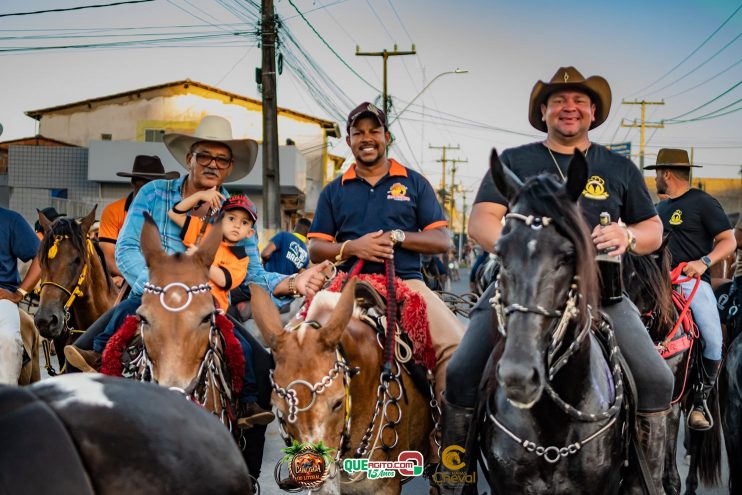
{"x": 570, "y": 79}
{"x": 215, "y": 129}
{"x": 672, "y": 158}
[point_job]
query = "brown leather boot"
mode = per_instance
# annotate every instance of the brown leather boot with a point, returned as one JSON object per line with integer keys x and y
{"x": 83, "y": 359}
{"x": 251, "y": 414}
{"x": 651, "y": 433}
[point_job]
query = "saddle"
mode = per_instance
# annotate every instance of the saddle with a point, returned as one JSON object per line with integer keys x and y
{"x": 34, "y": 437}
{"x": 373, "y": 308}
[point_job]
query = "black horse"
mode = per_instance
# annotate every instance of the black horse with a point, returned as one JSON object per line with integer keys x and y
{"x": 91, "y": 434}
{"x": 647, "y": 282}
{"x": 554, "y": 402}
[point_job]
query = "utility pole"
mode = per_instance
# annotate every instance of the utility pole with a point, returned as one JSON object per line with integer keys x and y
{"x": 463, "y": 223}
{"x": 443, "y": 160}
{"x": 643, "y": 125}
{"x": 454, "y": 188}
{"x": 385, "y": 54}
{"x": 271, "y": 177}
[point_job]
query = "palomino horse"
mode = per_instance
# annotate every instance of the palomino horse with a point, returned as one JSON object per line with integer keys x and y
{"x": 30, "y": 371}
{"x": 75, "y": 286}
{"x": 647, "y": 282}
{"x": 323, "y": 362}
{"x": 554, "y": 403}
{"x": 87, "y": 434}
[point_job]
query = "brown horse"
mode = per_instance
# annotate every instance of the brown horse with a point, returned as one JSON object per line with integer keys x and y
{"x": 323, "y": 362}
{"x": 30, "y": 371}
{"x": 75, "y": 286}
{"x": 183, "y": 348}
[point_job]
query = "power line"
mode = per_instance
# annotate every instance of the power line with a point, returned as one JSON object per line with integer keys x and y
{"x": 691, "y": 53}
{"x": 711, "y": 115}
{"x": 706, "y": 81}
{"x": 705, "y": 104}
{"x": 81, "y": 7}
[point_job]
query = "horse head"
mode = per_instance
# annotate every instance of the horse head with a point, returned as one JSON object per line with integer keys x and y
{"x": 177, "y": 311}
{"x": 64, "y": 256}
{"x": 546, "y": 262}
{"x": 310, "y": 378}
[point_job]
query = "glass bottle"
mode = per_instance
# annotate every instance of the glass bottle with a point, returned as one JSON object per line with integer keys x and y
{"x": 611, "y": 291}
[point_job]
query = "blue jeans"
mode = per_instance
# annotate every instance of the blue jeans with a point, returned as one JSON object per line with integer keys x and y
{"x": 125, "y": 308}
{"x": 706, "y": 317}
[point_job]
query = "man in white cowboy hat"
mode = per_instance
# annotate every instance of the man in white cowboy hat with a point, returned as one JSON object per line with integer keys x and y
{"x": 145, "y": 168}
{"x": 701, "y": 236}
{"x": 211, "y": 157}
{"x": 566, "y": 108}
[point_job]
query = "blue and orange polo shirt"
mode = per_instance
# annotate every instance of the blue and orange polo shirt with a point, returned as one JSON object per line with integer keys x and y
{"x": 349, "y": 207}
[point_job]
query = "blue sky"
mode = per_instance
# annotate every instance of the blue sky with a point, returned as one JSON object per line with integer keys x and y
{"x": 505, "y": 46}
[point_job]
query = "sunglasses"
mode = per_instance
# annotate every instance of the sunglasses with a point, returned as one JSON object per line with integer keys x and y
{"x": 204, "y": 159}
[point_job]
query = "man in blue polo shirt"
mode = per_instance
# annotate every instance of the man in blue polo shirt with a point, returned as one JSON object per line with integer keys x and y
{"x": 17, "y": 242}
{"x": 380, "y": 210}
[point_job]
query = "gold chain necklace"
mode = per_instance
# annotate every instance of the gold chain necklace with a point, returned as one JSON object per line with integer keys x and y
{"x": 556, "y": 164}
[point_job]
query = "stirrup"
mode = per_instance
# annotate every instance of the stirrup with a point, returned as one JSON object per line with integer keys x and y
{"x": 703, "y": 408}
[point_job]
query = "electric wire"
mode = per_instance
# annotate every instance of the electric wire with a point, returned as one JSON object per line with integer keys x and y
{"x": 81, "y": 7}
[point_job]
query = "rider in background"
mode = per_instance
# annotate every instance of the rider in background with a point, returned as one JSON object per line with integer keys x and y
{"x": 287, "y": 252}
{"x": 566, "y": 108}
{"x": 700, "y": 236}
{"x": 145, "y": 168}
{"x": 17, "y": 242}
{"x": 380, "y": 210}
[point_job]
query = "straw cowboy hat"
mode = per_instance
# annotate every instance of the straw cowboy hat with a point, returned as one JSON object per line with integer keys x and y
{"x": 672, "y": 158}
{"x": 215, "y": 129}
{"x": 570, "y": 79}
{"x": 148, "y": 168}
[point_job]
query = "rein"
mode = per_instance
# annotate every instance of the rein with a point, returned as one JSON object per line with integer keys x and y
{"x": 569, "y": 313}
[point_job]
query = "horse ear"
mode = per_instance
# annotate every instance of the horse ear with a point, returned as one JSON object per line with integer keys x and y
{"x": 505, "y": 180}
{"x": 43, "y": 221}
{"x": 266, "y": 316}
{"x": 209, "y": 245}
{"x": 576, "y": 176}
{"x": 150, "y": 239}
{"x": 88, "y": 221}
{"x": 333, "y": 330}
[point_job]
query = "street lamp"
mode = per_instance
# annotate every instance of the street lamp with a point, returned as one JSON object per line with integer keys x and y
{"x": 455, "y": 71}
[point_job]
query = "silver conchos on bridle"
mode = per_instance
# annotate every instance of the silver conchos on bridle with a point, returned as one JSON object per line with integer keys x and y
{"x": 569, "y": 313}
{"x": 162, "y": 291}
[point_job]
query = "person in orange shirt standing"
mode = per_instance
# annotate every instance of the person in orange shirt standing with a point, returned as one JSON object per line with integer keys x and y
{"x": 146, "y": 168}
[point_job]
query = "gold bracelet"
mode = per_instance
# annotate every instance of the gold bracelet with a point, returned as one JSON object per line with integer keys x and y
{"x": 339, "y": 257}
{"x": 22, "y": 292}
{"x": 292, "y": 286}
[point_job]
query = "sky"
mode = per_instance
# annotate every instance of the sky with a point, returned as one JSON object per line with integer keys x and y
{"x": 673, "y": 51}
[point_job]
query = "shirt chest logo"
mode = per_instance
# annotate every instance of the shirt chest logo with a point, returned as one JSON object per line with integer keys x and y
{"x": 595, "y": 188}
{"x": 398, "y": 192}
{"x": 676, "y": 218}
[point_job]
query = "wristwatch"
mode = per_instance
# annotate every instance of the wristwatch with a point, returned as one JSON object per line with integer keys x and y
{"x": 397, "y": 236}
{"x": 707, "y": 261}
{"x": 630, "y": 238}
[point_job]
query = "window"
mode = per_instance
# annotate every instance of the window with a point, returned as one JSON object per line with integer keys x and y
{"x": 59, "y": 193}
{"x": 153, "y": 135}
{"x": 106, "y": 137}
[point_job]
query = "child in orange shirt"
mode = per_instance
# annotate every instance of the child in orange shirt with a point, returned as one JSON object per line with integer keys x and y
{"x": 228, "y": 270}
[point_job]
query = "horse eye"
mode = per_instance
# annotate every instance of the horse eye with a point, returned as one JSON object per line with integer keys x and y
{"x": 337, "y": 405}
{"x": 76, "y": 261}
{"x": 143, "y": 320}
{"x": 206, "y": 319}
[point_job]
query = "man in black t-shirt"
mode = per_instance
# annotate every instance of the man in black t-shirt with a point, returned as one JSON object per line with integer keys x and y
{"x": 701, "y": 236}
{"x": 566, "y": 108}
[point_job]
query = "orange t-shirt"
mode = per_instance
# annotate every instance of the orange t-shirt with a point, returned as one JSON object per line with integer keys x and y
{"x": 232, "y": 260}
{"x": 112, "y": 219}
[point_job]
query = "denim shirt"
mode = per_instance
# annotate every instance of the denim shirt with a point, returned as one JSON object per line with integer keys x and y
{"x": 157, "y": 198}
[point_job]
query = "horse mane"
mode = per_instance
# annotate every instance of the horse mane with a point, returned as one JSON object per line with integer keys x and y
{"x": 648, "y": 277}
{"x": 544, "y": 195}
{"x": 60, "y": 227}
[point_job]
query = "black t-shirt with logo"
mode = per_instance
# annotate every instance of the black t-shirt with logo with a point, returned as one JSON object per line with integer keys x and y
{"x": 694, "y": 219}
{"x": 615, "y": 184}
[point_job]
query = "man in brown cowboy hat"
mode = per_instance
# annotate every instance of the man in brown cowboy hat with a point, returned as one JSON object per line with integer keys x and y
{"x": 144, "y": 169}
{"x": 701, "y": 236}
{"x": 566, "y": 108}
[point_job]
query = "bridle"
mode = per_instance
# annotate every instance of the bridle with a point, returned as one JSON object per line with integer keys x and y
{"x": 212, "y": 362}
{"x": 568, "y": 314}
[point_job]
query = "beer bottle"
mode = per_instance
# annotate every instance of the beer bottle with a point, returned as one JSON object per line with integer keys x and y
{"x": 610, "y": 271}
